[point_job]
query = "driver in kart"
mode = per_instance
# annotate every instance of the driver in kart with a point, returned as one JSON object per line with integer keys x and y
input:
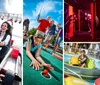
{"x": 83, "y": 58}
{"x": 5, "y": 38}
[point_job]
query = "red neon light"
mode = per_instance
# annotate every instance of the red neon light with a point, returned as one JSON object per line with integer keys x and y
{"x": 79, "y": 24}
{"x": 71, "y": 29}
{"x": 92, "y": 19}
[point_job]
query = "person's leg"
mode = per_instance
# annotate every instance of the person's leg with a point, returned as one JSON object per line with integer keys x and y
{"x": 39, "y": 32}
{"x": 55, "y": 48}
{"x": 57, "y": 44}
{"x": 47, "y": 38}
{"x": 83, "y": 65}
{"x": 47, "y": 41}
{"x": 57, "y": 56}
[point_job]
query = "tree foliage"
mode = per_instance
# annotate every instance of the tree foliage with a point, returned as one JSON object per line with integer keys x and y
{"x": 32, "y": 31}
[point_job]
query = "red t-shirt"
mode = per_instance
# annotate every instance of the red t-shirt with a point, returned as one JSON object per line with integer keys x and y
{"x": 43, "y": 25}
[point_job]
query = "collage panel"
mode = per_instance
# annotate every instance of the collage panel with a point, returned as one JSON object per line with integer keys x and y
{"x": 81, "y": 63}
{"x": 43, "y": 42}
{"x": 81, "y": 20}
{"x": 11, "y": 42}
{"x": 49, "y": 42}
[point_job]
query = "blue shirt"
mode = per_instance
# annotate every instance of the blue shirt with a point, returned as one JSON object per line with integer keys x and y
{"x": 52, "y": 29}
{"x": 34, "y": 48}
{"x": 61, "y": 33}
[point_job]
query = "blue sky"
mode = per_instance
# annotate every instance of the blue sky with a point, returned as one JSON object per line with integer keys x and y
{"x": 2, "y": 6}
{"x": 53, "y": 8}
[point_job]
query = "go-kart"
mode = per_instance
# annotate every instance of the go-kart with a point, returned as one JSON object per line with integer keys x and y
{"x": 10, "y": 66}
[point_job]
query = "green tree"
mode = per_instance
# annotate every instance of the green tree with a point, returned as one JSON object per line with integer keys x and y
{"x": 32, "y": 31}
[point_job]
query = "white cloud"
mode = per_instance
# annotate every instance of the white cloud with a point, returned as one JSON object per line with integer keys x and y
{"x": 60, "y": 11}
{"x": 45, "y": 7}
{"x": 34, "y": 24}
{"x": 55, "y": 22}
{"x": 58, "y": 18}
{"x": 27, "y": 17}
{"x": 14, "y": 6}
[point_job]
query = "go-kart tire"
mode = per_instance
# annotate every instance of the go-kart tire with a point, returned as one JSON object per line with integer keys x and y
{"x": 9, "y": 78}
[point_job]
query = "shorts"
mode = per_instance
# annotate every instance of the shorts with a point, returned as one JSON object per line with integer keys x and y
{"x": 40, "y": 32}
{"x": 59, "y": 40}
{"x": 49, "y": 37}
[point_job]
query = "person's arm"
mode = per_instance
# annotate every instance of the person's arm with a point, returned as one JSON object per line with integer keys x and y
{"x": 35, "y": 63}
{"x": 48, "y": 66}
{"x": 79, "y": 59}
{"x": 38, "y": 19}
{"x": 28, "y": 51}
{"x": 58, "y": 34}
{"x": 84, "y": 59}
{"x": 38, "y": 56}
{"x": 1, "y": 43}
{"x": 6, "y": 41}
